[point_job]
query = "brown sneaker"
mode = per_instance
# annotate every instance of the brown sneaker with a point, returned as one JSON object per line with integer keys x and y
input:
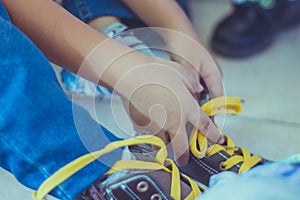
{"x": 208, "y": 159}
{"x": 156, "y": 178}
{"x": 134, "y": 185}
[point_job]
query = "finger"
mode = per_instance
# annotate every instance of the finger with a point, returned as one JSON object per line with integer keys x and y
{"x": 212, "y": 76}
{"x": 188, "y": 74}
{"x": 204, "y": 124}
{"x": 196, "y": 88}
{"x": 192, "y": 77}
{"x": 164, "y": 136}
{"x": 180, "y": 145}
{"x": 195, "y": 82}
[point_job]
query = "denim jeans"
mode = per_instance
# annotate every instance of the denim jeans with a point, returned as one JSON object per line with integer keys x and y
{"x": 39, "y": 134}
{"x": 272, "y": 181}
{"x": 86, "y": 10}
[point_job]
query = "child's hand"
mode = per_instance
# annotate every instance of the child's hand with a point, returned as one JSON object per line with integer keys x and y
{"x": 159, "y": 102}
{"x": 145, "y": 82}
{"x": 197, "y": 61}
{"x": 181, "y": 39}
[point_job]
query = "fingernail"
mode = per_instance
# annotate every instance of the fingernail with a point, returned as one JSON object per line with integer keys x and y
{"x": 199, "y": 88}
{"x": 221, "y": 140}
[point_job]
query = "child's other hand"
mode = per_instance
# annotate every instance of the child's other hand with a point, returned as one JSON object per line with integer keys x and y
{"x": 198, "y": 63}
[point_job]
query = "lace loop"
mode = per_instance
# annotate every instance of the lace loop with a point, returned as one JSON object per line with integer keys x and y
{"x": 238, "y": 155}
{"x": 223, "y": 105}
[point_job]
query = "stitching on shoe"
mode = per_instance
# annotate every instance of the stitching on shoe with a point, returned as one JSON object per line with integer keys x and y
{"x": 124, "y": 186}
{"x": 223, "y": 156}
{"x": 205, "y": 166}
{"x": 131, "y": 193}
{"x": 110, "y": 193}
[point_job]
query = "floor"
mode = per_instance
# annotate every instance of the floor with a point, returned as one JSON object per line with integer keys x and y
{"x": 270, "y": 122}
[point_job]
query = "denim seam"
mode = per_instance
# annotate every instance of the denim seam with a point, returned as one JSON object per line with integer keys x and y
{"x": 23, "y": 156}
{"x": 39, "y": 167}
{"x": 205, "y": 166}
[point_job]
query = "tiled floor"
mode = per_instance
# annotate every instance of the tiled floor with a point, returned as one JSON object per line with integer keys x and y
{"x": 270, "y": 122}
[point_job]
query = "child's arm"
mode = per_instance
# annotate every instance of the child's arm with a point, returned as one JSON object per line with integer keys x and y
{"x": 64, "y": 39}
{"x": 168, "y": 14}
{"x": 165, "y": 14}
{"x": 67, "y": 42}
{"x": 143, "y": 81}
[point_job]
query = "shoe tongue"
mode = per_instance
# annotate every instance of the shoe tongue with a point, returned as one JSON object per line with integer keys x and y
{"x": 142, "y": 152}
{"x": 127, "y": 154}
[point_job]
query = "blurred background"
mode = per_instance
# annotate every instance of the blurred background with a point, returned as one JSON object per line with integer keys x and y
{"x": 268, "y": 82}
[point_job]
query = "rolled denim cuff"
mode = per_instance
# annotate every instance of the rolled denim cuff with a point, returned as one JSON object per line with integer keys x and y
{"x": 87, "y": 10}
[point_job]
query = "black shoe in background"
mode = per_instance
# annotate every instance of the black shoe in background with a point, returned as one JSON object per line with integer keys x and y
{"x": 253, "y": 25}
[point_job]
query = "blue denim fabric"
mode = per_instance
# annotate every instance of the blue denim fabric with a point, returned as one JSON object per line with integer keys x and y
{"x": 38, "y": 134}
{"x": 86, "y": 10}
{"x": 272, "y": 181}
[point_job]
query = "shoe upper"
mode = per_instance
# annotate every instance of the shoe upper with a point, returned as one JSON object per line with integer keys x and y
{"x": 202, "y": 168}
{"x": 133, "y": 185}
{"x": 208, "y": 159}
{"x": 247, "y": 23}
{"x": 272, "y": 10}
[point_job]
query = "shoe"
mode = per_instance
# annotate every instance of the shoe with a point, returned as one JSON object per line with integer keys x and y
{"x": 208, "y": 159}
{"x": 154, "y": 178}
{"x": 253, "y": 25}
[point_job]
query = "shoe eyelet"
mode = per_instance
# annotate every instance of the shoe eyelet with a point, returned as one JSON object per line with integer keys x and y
{"x": 156, "y": 197}
{"x": 221, "y": 166}
{"x": 142, "y": 186}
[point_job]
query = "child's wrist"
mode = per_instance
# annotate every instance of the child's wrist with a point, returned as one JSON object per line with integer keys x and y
{"x": 121, "y": 75}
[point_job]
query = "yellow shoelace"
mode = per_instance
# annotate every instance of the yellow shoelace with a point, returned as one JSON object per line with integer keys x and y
{"x": 238, "y": 155}
{"x": 161, "y": 162}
